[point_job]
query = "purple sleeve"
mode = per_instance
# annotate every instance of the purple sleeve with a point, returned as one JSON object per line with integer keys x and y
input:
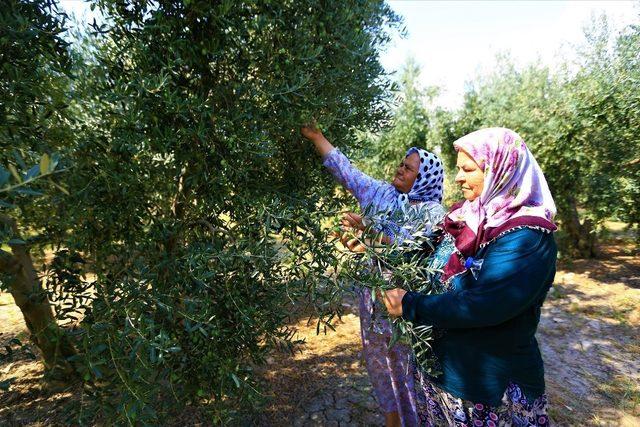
{"x": 361, "y": 185}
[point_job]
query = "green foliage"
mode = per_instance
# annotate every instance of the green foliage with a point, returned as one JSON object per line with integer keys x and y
{"x": 35, "y": 126}
{"x": 409, "y": 127}
{"x": 404, "y": 264}
{"x": 34, "y": 80}
{"x": 34, "y": 68}
{"x": 14, "y": 181}
{"x": 193, "y": 199}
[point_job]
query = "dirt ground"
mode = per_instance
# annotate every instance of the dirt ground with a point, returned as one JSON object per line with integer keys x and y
{"x": 589, "y": 336}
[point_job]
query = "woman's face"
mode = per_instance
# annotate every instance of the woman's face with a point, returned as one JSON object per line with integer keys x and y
{"x": 406, "y": 173}
{"x": 470, "y": 176}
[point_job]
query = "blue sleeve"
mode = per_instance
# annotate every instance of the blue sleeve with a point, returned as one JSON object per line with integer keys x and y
{"x": 517, "y": 270}
{"x": 363, "y": 187}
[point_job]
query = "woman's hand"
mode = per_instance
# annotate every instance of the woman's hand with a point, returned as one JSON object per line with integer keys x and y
{"x": 353, "y": 242}
{"x": 352, "y": 228}
{"x": 393, "y": 301}
{"x": 312, "y": 133}
{"x": 352, "y": 220}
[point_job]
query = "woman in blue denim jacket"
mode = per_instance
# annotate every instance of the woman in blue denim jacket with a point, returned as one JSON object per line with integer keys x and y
{"x": 498, "y": 277}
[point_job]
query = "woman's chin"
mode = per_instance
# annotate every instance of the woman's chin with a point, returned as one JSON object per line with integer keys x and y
{"x": 469, "y": 195}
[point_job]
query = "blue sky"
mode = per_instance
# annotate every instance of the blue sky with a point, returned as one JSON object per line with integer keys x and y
{"x": 454, "y": 41}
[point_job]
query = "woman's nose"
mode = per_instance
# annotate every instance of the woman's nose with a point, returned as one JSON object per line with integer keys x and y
{"x": 459, "y": 177}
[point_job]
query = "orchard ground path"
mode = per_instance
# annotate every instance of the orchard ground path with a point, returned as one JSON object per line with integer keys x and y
{"x": 589, "y": 336}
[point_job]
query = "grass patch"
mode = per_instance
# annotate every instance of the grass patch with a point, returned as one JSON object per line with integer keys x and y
{"x": 620, "y": 313}
{"x": 624, "y": 392}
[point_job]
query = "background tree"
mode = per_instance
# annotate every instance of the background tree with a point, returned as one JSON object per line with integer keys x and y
{"x": 409, "y": 127}
{"x": 579, "y": 121}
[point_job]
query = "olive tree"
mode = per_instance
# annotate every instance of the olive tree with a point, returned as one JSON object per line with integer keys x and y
{"x": 197, "y": 205}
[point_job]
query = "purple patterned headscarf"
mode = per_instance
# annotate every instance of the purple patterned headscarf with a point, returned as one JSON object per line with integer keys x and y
{"x": 515, "y": 193}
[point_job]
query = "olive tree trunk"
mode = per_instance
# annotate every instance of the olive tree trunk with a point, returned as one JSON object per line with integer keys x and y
{"x": 580, "y": 239}
{"x": 24, "y": 286}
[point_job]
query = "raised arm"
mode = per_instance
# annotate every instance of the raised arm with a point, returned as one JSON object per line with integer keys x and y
{"x": 364, "y": 188}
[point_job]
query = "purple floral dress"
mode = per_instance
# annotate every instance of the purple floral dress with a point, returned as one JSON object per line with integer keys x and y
{"x": 438, "y": 408}
{"x": 390, "y": 370}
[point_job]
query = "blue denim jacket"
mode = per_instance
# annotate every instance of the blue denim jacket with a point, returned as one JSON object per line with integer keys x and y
{"x": 490, "y": 320}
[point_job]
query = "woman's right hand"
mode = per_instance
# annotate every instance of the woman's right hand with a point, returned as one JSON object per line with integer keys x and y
{"x": 393, "y": 301}
{"x": 311, "y": 132}
{"x": 352, "y": 220}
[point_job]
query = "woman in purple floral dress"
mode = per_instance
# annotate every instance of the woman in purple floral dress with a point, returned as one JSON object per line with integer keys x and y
{"x": 416, "y": 185}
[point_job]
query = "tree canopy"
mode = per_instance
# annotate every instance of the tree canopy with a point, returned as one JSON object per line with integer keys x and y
{"x": 191, "y": 220}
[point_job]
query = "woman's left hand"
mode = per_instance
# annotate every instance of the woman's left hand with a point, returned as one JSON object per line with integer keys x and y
{"x": 353, "y": 241}
{"x": 393, "y": 301}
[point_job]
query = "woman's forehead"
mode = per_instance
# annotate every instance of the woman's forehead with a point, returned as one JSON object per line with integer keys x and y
{"x": 413, "y": 158}
{"x": 464, "y": 157}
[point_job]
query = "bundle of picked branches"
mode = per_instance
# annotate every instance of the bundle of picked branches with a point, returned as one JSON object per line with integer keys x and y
{"x": 405, "y": 261}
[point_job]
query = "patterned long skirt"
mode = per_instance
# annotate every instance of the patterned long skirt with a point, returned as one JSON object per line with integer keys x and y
{"x": 438, "y": 408}
{"x": 390, "y": 370}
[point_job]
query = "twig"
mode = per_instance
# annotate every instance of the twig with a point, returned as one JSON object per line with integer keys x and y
{"x": 30, "y": 180}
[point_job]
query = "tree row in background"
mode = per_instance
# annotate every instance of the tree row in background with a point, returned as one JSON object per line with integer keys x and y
{"x": 581, "y": 121}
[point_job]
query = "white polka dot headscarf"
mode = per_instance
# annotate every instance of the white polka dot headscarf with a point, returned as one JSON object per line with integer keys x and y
{"x": 428, "y": 183}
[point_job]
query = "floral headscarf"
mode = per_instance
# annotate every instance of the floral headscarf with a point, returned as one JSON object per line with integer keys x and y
{"x": 428, "y": 183}
{"x": 515, "y": 194}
